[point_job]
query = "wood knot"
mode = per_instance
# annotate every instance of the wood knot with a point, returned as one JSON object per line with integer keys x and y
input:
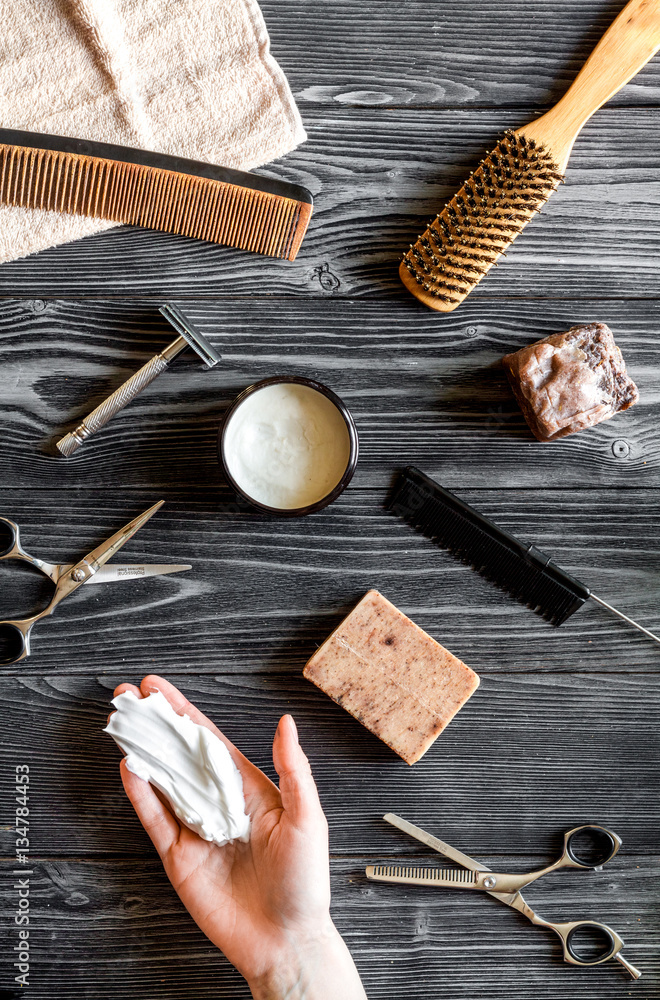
{"x": 328, "y": 281}
{"x": 620, "y": 448}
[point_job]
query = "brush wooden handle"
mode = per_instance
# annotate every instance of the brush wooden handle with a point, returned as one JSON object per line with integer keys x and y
{"x": 627, "y": 45}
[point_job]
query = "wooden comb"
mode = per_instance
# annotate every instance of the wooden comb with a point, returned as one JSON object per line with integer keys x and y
{"x": 153, "y": 190}
{"x": 516, "y": 179}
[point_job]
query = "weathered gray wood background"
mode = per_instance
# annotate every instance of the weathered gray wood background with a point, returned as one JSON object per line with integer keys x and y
{"x": 400, "y": 97}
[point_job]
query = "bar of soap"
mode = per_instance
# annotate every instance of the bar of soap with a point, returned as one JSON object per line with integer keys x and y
{"x": 391, "y": 676}
{"x": 570, "y": 381}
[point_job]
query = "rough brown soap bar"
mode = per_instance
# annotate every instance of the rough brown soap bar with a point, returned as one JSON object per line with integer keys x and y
{"x": 570, "y": 381}
{"x": 393, "y": 677}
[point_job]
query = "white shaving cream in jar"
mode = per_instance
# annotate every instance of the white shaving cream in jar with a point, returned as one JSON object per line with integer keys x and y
{"x": 286, "y": 445}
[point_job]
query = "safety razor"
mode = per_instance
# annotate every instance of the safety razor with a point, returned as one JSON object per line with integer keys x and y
{"x": 132, "y": 387}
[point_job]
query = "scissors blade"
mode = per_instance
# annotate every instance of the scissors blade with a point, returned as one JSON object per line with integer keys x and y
{"x": 435, "y": 843}
{"x": 91, "y": 563}
{"x": 117, "y": 572}
{"x": 408, "y": 875}
{"x": 509, "y": 898}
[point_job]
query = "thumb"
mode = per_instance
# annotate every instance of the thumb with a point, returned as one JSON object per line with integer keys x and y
{"x": 300, "y": 797}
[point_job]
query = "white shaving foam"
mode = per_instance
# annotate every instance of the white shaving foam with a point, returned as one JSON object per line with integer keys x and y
{"x": 186, "y": 761}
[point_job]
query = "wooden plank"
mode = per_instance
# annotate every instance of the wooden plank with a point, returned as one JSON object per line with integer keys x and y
{"x": 528, "y": 757}
{"x": 400, "y": 102}
{"x": 422, "y": 391}
{"x": 117, "y": 929}
{"x": 264, "y": 593}
{"x": 495, "y": 52}
{"x": 377, "y": 177}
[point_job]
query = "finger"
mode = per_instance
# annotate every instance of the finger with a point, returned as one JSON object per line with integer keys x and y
{"x": 255, "y": 781}
{"x": 163, "y": 828}
{"x": 300, "y": 797}
{"x": 181, "y": 705}
{"x": 121, "y": 689}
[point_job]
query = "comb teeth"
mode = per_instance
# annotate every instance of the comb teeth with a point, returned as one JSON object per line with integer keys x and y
{"x": 397, "y": 872}
{"x": 154, "y": 198}
{"x": 522, "y": 571}
{"x": 494, "y": 205}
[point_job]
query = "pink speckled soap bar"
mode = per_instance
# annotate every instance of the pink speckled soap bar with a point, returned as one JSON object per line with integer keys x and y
{"x": 393, "y": 677}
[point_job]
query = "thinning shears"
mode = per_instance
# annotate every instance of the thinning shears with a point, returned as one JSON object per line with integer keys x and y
{"x": 585, "y": 847}
{"x": 15, "y": 633}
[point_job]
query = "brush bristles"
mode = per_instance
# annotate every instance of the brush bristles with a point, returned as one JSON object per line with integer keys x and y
{"x": 494, "y": 205}
{"x": 153, "y": 198}
{"x": 486, "y": 554}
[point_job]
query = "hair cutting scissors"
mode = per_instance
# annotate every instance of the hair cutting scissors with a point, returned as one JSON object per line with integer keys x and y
{"x": 15, "y": 633}
{"x": 601, "y": 845}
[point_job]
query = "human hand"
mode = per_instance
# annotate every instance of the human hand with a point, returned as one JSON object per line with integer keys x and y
{"x": 265, "y": 904}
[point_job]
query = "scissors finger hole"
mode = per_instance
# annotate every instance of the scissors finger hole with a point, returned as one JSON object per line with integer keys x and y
{"x": 12, "y": 643}
{"x": 591, "y": 846}
{"x": 590, "y": 943}
{"x": 7, "y": 536}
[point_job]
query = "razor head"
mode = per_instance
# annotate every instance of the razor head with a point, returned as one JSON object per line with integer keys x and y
{"x": 190, "y": 334}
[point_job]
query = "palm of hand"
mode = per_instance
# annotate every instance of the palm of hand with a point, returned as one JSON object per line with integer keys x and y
{"x": 252, "y": 900}
{"x": 248, "y": 897}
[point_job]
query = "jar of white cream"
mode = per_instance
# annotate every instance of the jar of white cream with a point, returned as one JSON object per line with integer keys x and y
{"x": 288, "y": 445}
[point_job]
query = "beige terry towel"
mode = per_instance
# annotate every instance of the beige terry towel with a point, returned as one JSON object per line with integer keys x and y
{"x": 187, "y": 77}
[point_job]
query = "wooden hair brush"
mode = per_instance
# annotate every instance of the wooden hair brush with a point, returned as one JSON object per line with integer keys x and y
{"x": 516, "y": 179}
{"x": 153, "y": 190}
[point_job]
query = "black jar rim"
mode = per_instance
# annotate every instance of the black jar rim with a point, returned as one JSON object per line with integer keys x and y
{"x": 352, "y": 455}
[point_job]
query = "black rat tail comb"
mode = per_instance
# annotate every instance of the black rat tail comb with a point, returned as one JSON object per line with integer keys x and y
{"x": 521, "y": 570}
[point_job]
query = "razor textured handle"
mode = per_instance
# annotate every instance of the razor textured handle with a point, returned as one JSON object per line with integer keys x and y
{"x": 113, "y": 404}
